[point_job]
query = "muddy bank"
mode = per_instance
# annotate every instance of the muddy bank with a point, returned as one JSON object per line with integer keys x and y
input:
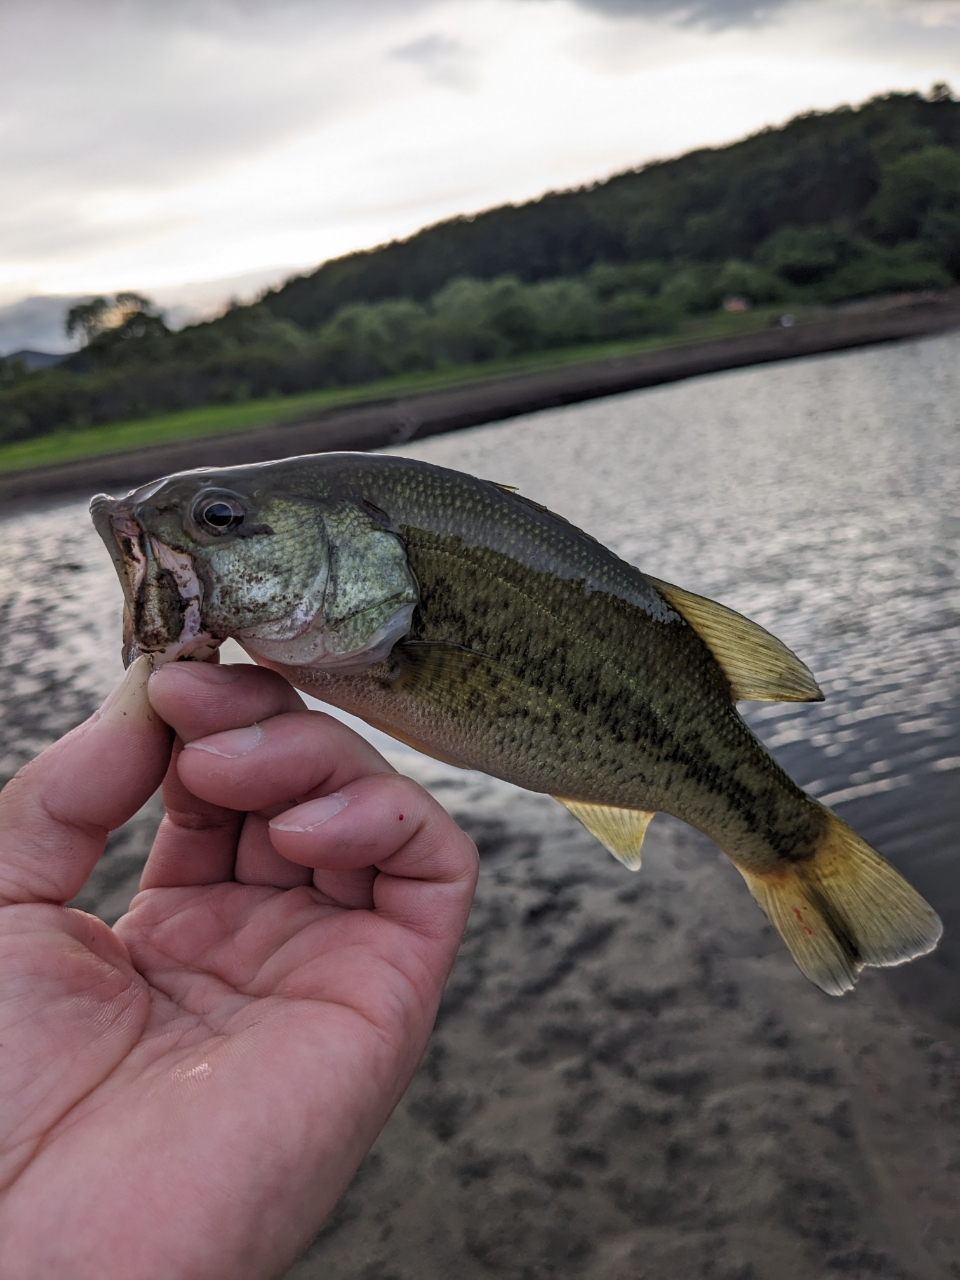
{"x": 393, "y": 422}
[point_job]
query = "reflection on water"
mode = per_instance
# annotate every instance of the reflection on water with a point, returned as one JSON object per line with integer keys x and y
{"x": 819, "y": 497}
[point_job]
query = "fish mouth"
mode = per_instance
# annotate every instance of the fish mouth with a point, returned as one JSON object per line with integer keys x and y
{"x": 162, "y": 595}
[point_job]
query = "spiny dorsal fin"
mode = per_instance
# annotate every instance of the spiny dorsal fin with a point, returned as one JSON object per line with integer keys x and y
{"x": 620, "y": 831}
{"x": 514, "y": 492}
{"x": 757, "y": 664}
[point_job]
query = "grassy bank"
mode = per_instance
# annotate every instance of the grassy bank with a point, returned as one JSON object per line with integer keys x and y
{"x": 117, "y": 437}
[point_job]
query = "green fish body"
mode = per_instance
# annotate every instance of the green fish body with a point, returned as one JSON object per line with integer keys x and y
{"x": 474, "y": 624}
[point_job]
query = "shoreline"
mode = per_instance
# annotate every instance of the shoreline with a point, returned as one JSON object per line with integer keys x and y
{"x": 376, "y": 424}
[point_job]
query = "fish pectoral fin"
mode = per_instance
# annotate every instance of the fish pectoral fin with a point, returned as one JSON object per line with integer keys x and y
{"x": 757, "y": 664}
{"x": 438, "y": 673}
{"x": 620, "y": 831}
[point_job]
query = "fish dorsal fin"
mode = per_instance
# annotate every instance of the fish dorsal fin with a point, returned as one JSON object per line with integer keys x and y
{"x": 515, "y": 493}
{"x": 620, "y": 831}
{"x": 757, "y": 664}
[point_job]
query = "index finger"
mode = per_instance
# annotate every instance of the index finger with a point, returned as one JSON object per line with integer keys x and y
{"x": 200, "y": 698}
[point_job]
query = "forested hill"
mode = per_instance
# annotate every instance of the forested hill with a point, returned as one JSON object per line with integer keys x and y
{"x": 709, "y": 205}
{"x": 833, "y": 206}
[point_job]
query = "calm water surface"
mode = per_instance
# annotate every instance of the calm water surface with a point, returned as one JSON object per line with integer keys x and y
{"x": 819, "y": 497}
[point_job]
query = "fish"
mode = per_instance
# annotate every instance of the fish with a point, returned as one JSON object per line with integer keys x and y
{"x": 476, "y": 625}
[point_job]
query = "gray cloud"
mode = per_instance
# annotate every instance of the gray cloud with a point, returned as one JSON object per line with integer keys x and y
{"x": 103, "y": 102}
{"x": 440, "y": 59}
{"x": 715, "y": 14}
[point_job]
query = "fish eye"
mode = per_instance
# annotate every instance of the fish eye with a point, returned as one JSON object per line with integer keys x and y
{"x": 218, "y": 513}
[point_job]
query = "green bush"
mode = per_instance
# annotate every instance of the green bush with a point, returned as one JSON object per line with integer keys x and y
{"x": 880, "y": 270}
{"x": 911, "y": 188}
{"x": 807, "y": 255}
{"x": 747, "y": 280}
{"x": 692, "y": 289}
{"x": 567, "y": 312}
{"x": 940, "y": 238}
{"x": 633, "y": 314}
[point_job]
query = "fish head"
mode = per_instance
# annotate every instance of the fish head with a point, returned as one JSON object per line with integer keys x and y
{"x": 316, "y": 580}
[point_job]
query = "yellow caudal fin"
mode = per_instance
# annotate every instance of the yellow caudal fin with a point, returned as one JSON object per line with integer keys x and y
{"x": 843, "y": 909}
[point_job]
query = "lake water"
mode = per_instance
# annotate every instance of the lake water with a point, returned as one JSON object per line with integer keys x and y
{"x": 819, "y": 497}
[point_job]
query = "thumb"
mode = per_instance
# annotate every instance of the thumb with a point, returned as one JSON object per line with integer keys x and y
{"x": 56, "y": 813}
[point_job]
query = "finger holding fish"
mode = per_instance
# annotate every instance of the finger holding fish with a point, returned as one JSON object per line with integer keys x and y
{"x": 221, "y": 793}
{"x": 375, "y": 843}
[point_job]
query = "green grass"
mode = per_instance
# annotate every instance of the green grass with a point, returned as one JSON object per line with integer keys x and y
{"x": 118, "y": 437}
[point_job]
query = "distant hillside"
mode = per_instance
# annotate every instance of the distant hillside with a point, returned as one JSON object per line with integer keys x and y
{"x": 834, "y": 206}
{"x": 32, "y": 360}
{"x": 713, "y": 204}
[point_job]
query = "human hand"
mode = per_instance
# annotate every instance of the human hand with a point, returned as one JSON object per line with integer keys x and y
{"x": 189, "y": 1093}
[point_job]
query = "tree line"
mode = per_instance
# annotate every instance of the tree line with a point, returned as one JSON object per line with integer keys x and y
{"x": 833, "y": 206}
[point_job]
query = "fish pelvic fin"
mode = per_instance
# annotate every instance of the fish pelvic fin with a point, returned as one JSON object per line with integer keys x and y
{"x": 843, "y": 909}
{"x": 758, "y": 665}
{"x": 620, "y": 831}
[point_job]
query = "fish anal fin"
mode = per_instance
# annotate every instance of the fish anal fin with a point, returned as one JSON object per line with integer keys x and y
{"x": 758, "y": 665}
{"x": 620, "y": 831}
{"x": 844, "y": 908}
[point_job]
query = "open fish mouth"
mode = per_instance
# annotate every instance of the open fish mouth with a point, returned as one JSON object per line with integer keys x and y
{"x": 163, "y": 596}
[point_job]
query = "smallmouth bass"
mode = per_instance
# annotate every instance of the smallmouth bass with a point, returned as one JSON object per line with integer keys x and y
{"x": 481, "y": 628}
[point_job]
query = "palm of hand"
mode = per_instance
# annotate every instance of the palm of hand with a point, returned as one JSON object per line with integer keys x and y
{"x": 199, "y": 1084}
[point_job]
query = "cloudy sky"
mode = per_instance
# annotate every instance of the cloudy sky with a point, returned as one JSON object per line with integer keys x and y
{"x": 154, "y": 143}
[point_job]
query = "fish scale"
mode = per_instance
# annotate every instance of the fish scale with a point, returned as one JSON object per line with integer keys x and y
{"x": 630, "y": 733}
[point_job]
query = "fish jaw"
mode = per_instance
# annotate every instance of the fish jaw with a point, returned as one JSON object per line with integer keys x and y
{"x": 163, "y": 596}
{"x": 312, "y": 649}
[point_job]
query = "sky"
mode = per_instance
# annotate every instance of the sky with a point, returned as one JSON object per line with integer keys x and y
{"x": 195, "y": 149}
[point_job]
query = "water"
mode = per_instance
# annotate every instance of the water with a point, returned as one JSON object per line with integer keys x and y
{"x": 818, "y": 497}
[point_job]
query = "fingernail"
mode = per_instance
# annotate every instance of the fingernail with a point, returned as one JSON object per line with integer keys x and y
{"x": 231, "y": 744}
{"x": 129, "y": 697}
{"x": 206, "y": 672}
{"x": 305, "y": 817}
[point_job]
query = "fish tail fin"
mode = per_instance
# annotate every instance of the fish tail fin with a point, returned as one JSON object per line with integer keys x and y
{"x": 844, "y": 908}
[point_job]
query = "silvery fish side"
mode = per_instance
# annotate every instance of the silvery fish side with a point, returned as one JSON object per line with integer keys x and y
{"x": 483, "y": 629}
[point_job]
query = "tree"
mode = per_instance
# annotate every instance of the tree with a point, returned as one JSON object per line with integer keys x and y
{"x": 87, "y": 318}
{"x": 913, "y": 187}
{"x": 129, "y": 315}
